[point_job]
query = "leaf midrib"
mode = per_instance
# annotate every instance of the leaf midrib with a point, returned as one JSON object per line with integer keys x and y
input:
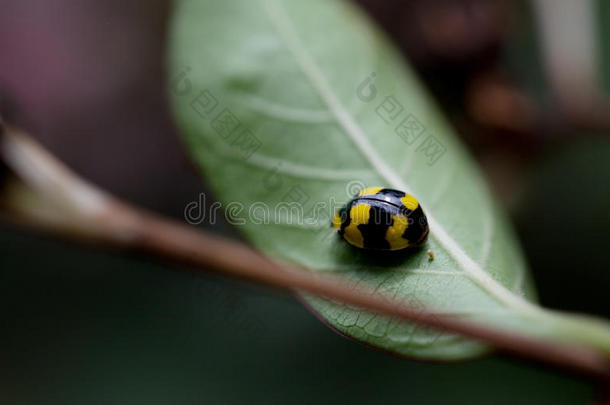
{"x": 282, "y": 23}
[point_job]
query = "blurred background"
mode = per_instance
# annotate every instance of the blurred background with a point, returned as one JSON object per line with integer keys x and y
{"x": 525, "y": 84}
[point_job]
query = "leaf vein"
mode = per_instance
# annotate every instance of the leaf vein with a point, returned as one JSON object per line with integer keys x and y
{"x": 282, "y": 22}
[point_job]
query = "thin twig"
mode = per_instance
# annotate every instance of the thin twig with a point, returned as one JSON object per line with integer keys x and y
{"x": 67, "y": 204}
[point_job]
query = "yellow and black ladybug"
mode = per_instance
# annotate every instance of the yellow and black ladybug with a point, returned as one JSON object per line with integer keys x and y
{"x": 382, "y": 219}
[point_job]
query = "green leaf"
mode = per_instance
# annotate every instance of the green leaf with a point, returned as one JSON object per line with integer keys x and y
{"x": 273, "y": 100}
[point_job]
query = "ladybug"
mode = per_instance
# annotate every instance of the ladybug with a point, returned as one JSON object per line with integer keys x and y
{"x": 382, "y": 219}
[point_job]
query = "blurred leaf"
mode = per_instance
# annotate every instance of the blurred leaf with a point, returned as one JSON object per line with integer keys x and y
{"x": 521, "y": 56}
{"x": 273, "y": 101}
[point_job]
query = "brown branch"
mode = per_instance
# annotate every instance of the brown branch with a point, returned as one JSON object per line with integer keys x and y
{"x": 50, "y": 195}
